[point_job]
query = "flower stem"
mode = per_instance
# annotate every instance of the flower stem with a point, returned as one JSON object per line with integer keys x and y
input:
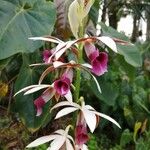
{"x": 78, "y": 73}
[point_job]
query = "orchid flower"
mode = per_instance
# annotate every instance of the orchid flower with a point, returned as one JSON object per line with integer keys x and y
{"x": 46, "y": 55}
{"x": 58, "y": 139}
{"x": 97, "y": 59}
{"x": 62, "y": 85}
{"x": 81, "y": 134}
{"x": 89, "y": 113}
{"x": 63, "y": 46}
{"x": 44, "y": 98}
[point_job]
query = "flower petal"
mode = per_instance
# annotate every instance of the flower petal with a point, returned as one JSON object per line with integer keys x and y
{"x": 84, "y": 147}
{"x": 66, "y": 46}
{"x": 60, "y": 131}
{"x": 37, "y": 89}
{"x": 42, "y": 140}
{"x": 48, "y": 39}
{"x": 87, "y": 66}
{"x": 48, "y": 94}
{"x": 89, "y": 48}
{"x": 90, "y": 119}
{"x": 65, "y": 103}
{"x": 57, "y": 143}
{"x": 65, "y": 111}
{"x": 69, "y": 145}
{"x": 99, "y": 64}
{"x": 57, "y": 64}
{"x": 109, "y": 42}
{"x": 107, "y": 117}
{"x": 97, "y": 84}
{"x": 30, "y": 87}
{"x": 68, "y": 96}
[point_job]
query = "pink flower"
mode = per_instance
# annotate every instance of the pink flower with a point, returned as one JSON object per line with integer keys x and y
{"x": 81, "y": 134}
{"x": 62, "y": 85}
{"x": 46, "y": 55}
{"x": 97, "y": 59}
{"x": 44, "y": 98}
{"x": 39, "y": 104}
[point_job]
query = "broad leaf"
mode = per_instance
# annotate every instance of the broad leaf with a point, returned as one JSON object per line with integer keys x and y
{"x": 109, "y": 99}
{"x": 130, "y": 52}
{"x": 21, "y": 19}
{"x": 24, "y": 103}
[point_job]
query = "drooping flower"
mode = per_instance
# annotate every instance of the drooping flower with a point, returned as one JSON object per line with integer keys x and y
{"x": 81, "y": 134}
{"x": 59, "y": 138}
{"x": 44, "y": 98}
{"x": 62, "y": 85}
{"x": 46, "y": 55}
{"x": 97, "y": 59}
{"x": 89, "y": 113}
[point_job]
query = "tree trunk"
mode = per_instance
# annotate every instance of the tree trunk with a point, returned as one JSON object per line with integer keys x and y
{"x": 104, "y": 11}
{"x": 112, "y": 13}
{"x": 135, "y": 31}
{"x": 148, "y": 23}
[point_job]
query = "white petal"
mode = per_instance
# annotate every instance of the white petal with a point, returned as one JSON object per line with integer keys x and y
{"x": 57, "y": 64}
{"x": 70, "y": 137}
{"x": 90, "y": 119}
{"x": 57, "y": 143}
{"x": 48, "y": 94}
{"x": 69, "y": 145}
{"x": 60, "y": 131}
{"x": 84, "y": 147}
{"x": 58, "y": 47}
{"x": 89, "y": 107}
{"x": 68, "y": 96}
{"x": 87, "y": 66}
{"x": 65, "y": 103}
{"x": 97, "y": 84}
{"x": 42, "y": 140}
{"x": 109, "y": 42}
{"x": 63, "y": 49}
{"x": 50, "y": 39}
{"x": 29, "y": 87}
{"x": 106, "y": 117}
{"x": 65, "y": 111}
{"x": 36, "y": 89}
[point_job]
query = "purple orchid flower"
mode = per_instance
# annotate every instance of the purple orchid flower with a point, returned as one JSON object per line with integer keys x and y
{"x": 81, "y": 134}
{"x": 97, "y": 59}
{"x": 62, "y": 85}
{"x": 46, "y": 55}
{"x": 44, "y": 98}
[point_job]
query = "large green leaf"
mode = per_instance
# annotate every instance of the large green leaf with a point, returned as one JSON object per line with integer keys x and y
{"x": 24, "y": 103}
{"x": 21, "y": 19}
{"x": 130, "y": 52}
{"x": 109, "y": 99}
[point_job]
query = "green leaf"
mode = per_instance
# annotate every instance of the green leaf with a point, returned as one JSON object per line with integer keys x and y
{"x": 128, "y": 69}
{"x": 94, "y": 12}
{"x": 4, "y": 63}
{"x": 130, "y": 52}
{"x": 126, "y": 138}
{"x": 108, "y": 99}
{"x": 24, "y": 103}
{"x": 136, "y": 129}
{"x": 21, "y": 19}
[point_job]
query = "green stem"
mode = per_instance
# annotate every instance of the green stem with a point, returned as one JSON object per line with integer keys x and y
{"x": 78, "y": 73}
